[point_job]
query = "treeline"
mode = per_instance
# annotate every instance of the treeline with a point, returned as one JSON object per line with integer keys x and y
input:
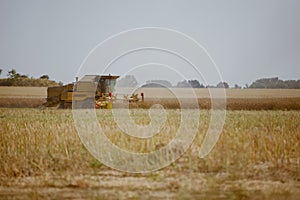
{"x": 16, "y": 79}
{"x": 130, "y": 81}
{"x": 275, "y": 83}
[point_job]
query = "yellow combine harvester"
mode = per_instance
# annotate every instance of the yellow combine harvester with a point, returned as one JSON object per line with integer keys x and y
{"x": 91, "y": 91}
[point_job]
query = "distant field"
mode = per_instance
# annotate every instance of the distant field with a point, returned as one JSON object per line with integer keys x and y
{"x": 204, "y": 93}
{"x": 237, "y": 99}
{"x": 41, "y": 92}
{"x": 23, "y": 92}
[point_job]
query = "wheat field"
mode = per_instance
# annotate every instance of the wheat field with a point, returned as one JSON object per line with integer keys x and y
{"x": 41, "y": 92}
{"x": 236, "y": 99}
{"x": 257, "y": 157}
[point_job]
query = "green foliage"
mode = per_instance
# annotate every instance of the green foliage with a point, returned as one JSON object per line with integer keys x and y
{"x": 236, "y": 86}
{"x": 16, "y": 79}
{"x": 7, "y": 82}
{"x": 275, "y": 82}
{"x": 183, "y": 84}
{"x": 222, "y": 85}
{"x": 189, "y": 83}
{"x": 23, "y": 81}
{"x": 195, "y": 84}
{"x": 45, "y": 76}
{"x": 12, "y": 74}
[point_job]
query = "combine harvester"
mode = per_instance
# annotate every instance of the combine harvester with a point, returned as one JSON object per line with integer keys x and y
{"x": 91, "y": 91}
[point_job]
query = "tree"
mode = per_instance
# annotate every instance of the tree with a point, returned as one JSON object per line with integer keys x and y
{"x": 158, "y": 84}
{"x": 236, "y": 86}
{"x": 24, "y": 76}
{"x": 267, "y": 83}
{"x": 275, "y": 82}
{"x": 45, "y": 76}
{"x": 12, "y": 74}
{"x": 189, "y": 83}
{"x": 0, "y": 72}
{"x": 222, "y": 85}
{"x": 127, "y": 81}
{"x": 183, "y": 84}
{"x": 195, "y": 84}
{"x": 295, "y": 84}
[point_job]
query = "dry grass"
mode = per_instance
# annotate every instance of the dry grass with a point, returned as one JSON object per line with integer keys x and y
{"x": 257, "y": 157}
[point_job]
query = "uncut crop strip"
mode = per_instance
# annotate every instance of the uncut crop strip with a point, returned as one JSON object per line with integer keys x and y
{"x": 231, "y": 103}
{"x": 34, "y": 142}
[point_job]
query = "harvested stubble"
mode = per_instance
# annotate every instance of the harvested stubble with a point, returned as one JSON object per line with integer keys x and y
{"x": 258, "y": 155}
{"x": 36, "y": 141}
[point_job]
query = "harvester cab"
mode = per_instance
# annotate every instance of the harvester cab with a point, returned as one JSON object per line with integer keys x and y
{"x": 104, "y": 92}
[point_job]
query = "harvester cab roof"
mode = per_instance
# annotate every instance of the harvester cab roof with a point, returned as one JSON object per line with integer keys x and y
{"x": 104, "y": 83}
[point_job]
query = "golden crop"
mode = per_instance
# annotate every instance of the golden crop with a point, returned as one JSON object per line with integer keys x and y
{"x": 254, "y": 145}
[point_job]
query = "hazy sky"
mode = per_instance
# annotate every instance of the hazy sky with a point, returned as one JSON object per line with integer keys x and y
{"x": 246, "y": 39}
